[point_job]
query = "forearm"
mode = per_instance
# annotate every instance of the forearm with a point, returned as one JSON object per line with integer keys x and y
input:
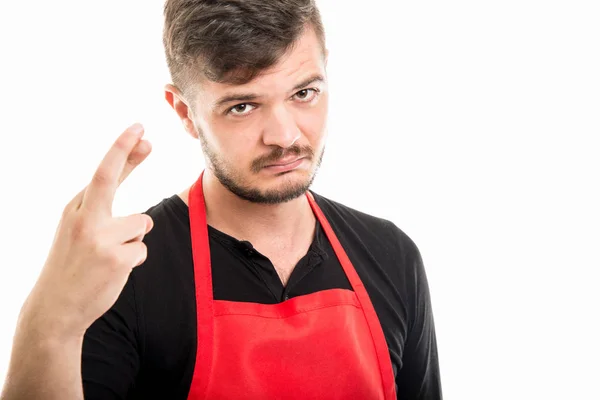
{"x": 43, "y": 366}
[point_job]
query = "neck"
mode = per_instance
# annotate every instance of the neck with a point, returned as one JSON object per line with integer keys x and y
{"x": 244, "y": 220}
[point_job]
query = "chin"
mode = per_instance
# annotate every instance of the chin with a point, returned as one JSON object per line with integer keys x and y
{"x": 268, "y": 187}
{"x": 286, "y": 182}
{"x": 286, "y": 187}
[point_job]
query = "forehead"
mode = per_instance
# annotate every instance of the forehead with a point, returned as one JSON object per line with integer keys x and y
{"x": 305, "y": 58}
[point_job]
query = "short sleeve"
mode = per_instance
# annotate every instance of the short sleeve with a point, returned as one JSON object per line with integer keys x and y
{"x": 110, "y": 353}
{"x": 419, "y": 377}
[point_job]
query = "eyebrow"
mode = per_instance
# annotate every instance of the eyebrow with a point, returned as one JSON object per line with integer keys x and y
{"x": 242, "y": 97}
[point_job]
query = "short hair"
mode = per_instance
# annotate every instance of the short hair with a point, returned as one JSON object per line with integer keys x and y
{"x": 232, "y": 41}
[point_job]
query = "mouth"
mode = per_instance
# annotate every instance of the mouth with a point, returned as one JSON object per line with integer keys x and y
{"x": 285, "y": 161}
{"x": 284, "y": 165}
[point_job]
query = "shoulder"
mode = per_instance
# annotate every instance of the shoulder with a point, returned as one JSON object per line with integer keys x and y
{"x": 168, "y": 210}
{"x": 382, "y": 235}
{"x": 171, "y": 221}
{"x": 338, "y": 211}
{"x": 168, "y": 242}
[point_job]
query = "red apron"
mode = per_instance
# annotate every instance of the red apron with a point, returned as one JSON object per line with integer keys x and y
{"x": 324, "y": 345}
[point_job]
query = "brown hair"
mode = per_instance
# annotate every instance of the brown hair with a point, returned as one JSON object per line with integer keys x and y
{"x": 232, "y": 41}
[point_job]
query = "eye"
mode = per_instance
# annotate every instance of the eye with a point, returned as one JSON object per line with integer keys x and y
{"x": 307, "y": 95}
{"x": 240, "y": 109}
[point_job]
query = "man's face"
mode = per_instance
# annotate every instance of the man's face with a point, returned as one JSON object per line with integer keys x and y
{"x": 277, "y": 118}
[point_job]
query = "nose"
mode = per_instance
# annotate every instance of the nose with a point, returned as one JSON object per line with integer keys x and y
{"x": 281, "y": 128}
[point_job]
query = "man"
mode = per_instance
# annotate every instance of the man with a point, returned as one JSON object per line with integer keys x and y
{"x": 252, "y": 286}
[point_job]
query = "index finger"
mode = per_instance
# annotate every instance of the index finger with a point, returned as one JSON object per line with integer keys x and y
{"x": 100, "y": 193}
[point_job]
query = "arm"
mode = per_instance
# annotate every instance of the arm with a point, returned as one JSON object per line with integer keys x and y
{"x": 100, "y": 364}
{"x": 419, "y": 378}
{"x": 43, "y": 365}
{"x": 88, "y": 265}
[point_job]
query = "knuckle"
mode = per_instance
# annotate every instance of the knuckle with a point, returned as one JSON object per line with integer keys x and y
{"x": 138, "y": 225}
{"x": 66, "y": 212}
{"x": 113, "y": 260}
{"x": 143, "y": 250}
{"x": 101, "y": 177}
{"x": 143, "y": 221}
{"x": 73, "y": 204}
{"x": 142, "y": 253}
{"x": 100, "y": 247}
{"x": 122, "y": 142}
{"x": 81, "y": 230}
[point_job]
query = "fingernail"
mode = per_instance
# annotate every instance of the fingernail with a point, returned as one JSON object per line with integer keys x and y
{"x": 136, "y": 128}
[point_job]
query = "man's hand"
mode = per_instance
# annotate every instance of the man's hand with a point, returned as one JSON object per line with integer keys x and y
{"x": 93, "y": 253}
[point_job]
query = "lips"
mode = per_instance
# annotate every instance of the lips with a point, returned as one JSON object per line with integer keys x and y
{"x": 285, "y": 165}
{"x": 285, "y": 161}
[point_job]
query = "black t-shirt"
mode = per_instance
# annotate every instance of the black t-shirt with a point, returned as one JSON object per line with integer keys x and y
{"x": 144, "y": 346}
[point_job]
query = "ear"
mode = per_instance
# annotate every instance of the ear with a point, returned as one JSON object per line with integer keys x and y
{"x": 182, "y": 109}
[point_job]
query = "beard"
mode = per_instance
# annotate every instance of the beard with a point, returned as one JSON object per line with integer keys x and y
{"x": 235, "y": 184}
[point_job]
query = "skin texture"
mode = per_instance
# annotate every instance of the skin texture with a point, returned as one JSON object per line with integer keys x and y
{"x": 93, "y": 253}
{"x": 87, "y": 267}
{"x": 244, "y": 199}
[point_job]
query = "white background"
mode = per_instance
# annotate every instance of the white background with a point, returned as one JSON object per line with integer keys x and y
{"x": 472, "y": 125}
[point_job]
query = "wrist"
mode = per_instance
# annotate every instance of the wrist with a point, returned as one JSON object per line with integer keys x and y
{"x": 43, "y": 325}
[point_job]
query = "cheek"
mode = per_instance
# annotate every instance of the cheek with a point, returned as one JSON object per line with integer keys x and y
{"x": 231, "y": 141}
{"x": 239, "y": 151}
{"x": 313, "y": 122}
